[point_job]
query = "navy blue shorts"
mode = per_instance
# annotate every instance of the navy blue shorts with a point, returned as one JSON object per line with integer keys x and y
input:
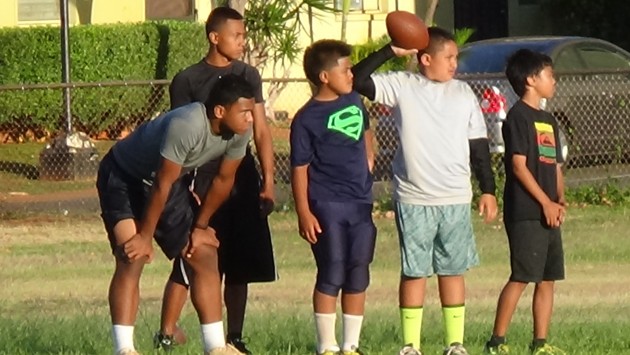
{"x": 345, "y": 248}
{"x": 122, "y": 196}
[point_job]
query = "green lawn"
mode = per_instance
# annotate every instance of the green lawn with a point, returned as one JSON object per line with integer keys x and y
{"x": 55, "y": 273}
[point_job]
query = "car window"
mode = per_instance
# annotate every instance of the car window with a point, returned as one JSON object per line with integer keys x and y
{"x": 492, "y": 57}
{"x": 568, "y": 60}
{"x": 597, "y": 57}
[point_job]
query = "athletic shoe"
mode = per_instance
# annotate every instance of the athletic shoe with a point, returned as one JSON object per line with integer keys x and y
{"x": 501, "y": 349}
{"x": 227, "y": 350}
{"x": 409, "y": 350}
{"x": 127, "y": 352}
{"x": 329, "y": 352}
{"x": 455, "y": 349}
{"x": 547, "y": 350}
{"x": 354, "y": 351}
{"x": 163, "y": 341}
{"x": 239, "y": 344}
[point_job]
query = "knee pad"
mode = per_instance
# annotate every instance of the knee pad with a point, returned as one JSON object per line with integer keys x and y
{"x": 330, "y": 278}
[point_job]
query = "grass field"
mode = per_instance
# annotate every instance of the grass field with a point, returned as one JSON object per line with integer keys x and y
{"x": 55, "y": 273}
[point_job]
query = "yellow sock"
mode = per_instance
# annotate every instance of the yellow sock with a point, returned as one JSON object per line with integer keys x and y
{"x": 411, "y": 321}
{"x": 454, "y": 324}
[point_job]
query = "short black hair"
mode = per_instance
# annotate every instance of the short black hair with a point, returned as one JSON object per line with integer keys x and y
{"x": 437, "y": 38}
{"x": 227, "y": 90}
{"x": 323, "y": 55}
{"x": 219, "y": 16}
{"x": 523, "y": 64}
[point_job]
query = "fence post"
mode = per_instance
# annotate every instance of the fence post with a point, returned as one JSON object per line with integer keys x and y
{"x": 65, "y": 62}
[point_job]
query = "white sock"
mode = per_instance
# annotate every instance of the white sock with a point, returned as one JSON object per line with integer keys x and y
{"x": 351, "y": 331}
{"x": 325, "y": 326}
{"x": 213, "y": 336}
{"x": 123, "y": 337}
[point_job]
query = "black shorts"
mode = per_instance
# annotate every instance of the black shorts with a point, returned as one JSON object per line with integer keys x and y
{"x": 122, "y": 197}
{"x": 245, "y": 252}
{"x": 535, "y": 252}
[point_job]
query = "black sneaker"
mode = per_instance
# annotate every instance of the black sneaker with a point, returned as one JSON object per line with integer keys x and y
{"x": 239, "y": 344}
{"x": 163, "y": 341}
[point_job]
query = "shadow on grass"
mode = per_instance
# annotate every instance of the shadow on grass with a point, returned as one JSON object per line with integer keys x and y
{"x": 28, "y": 171}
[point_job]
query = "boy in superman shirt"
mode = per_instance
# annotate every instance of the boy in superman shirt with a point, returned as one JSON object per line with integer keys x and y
{"x": 331, "y": 159}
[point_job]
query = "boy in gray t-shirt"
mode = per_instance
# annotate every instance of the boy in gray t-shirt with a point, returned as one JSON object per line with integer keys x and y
{"x": 144, "y": 195}
{"x": 442, "y": 131}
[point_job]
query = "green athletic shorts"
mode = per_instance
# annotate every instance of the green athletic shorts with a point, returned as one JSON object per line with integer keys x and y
{"x": 435, "y": 239}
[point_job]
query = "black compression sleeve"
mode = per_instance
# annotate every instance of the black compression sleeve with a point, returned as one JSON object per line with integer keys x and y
{"x": 362, "y": 81}
{"x": 480, "y": 161}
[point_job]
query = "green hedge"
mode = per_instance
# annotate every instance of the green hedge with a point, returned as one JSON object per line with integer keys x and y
{"x": 99, "y": 53}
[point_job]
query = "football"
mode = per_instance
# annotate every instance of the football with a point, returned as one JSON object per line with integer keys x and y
{"x": 407, "y": 30}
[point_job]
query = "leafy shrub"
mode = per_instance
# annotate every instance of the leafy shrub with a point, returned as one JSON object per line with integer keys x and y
{"x": 98, "y": 53}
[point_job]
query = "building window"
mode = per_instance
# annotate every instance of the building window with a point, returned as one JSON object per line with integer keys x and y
{"x": 355, "y": 5}
{"x": 169, "y": 9}
{"x": 38, "y": 10}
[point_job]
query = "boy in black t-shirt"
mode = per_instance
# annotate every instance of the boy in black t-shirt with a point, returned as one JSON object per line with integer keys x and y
{"x": 331, "y": 160}
{"x": 534, "y": 205}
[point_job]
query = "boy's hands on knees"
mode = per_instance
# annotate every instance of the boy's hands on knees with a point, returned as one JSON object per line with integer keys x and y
{"x": 138, "y": 247}
{"x": 309, "y": 227}
{"x": 199, "y": 237}
{"x": 554, "y": 214}
{"x": 488, "y": 207}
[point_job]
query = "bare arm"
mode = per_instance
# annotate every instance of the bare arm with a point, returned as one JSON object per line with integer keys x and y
{"x": 551, "y": 209}
{"x": 561, "y": 199}
{"x": 218, "y": 192}
{"x": 560, "y": 183}
{"x": 140, "y": 244}
{"x": 308, "y": 224}
{"x": 369, "y": 148}
{"x": 264, "y": 150}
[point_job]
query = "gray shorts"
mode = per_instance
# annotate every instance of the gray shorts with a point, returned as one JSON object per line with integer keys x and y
{"x": 435, "y": 239}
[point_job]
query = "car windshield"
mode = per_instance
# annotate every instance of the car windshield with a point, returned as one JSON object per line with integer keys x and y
{"x": 491, "y": 57}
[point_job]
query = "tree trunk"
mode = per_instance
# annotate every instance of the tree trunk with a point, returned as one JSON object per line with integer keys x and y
{"x": 238, "y": 5}
{"x": 345, "y": 8}
{"x": 428, "y": 17}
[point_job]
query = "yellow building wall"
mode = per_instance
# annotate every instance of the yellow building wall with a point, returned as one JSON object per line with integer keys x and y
{"x": 8, "y": 15}
{"x": 109, "y": 11}
{"x": 81, "y": 12}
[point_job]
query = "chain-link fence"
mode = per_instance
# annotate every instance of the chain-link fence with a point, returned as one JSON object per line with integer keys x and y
{"x": 592, "y": 109}
{"x": 41, "y": 168}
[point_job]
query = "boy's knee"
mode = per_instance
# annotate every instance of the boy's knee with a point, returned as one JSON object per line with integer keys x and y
{"x": 129, "y": 269}
{"x": 204, "y": 259}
